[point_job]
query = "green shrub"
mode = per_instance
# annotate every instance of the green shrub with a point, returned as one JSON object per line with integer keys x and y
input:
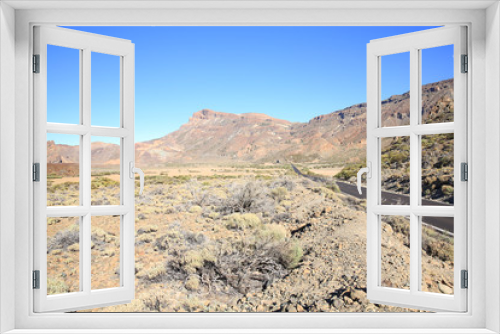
{"x": 349, "y": 171}
{"x": 447, "y": 190}
{"x": 272, "y": 232}
{"x": 238, "y": 221}
{"x": 103, "y": 182}
{"x": 291, "y": 254}
{"x": 55, "y": 286}
{"x": 279, "y": 193}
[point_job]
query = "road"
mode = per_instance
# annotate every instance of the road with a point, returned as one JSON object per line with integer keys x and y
{"x": 388, "y": 198}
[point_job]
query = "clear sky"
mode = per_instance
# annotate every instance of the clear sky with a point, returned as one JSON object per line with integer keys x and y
{"x": 292, "y": 73}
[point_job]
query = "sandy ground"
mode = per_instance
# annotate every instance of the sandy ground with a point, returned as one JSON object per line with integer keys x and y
{"x": 327, "y": 171}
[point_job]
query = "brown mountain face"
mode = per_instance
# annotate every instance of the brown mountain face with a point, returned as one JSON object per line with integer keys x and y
{"x": 211, "y": 136}
{"x": 101, "y": 153}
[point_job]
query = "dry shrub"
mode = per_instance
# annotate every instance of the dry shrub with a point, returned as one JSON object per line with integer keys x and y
{"x": 250, "y": 263}
{"x": 64, "y": 239}
{"x": 249, "y": 197}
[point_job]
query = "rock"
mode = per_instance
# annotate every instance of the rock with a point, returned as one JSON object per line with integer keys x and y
{"x": 358, "y": 294}
{"x": 300, "y": 308}
{"x": 445, "y": 289}
{"x": 338, "y": 303}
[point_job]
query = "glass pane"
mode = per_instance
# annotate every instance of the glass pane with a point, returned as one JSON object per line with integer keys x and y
{"x": 105, "y": 185}
{"x": 437, "y": 84}
{"x": 395, "y": 169}
{"x": 63, "y": 255}
{"x": 395, "y": 89}
{"x": 63, "y": 85}
{"x": 105, "y": 252}
{"x": 437, "y": 255}
{"x": 105, "y": 90}
{"x": 63, "y": 169}
{"x": 437, "y": 169}
{"x": 395, "y": 251}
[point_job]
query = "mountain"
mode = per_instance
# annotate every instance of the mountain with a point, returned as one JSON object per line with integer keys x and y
{"x": 101, "y": 153}
{"x": 213, "y": 136}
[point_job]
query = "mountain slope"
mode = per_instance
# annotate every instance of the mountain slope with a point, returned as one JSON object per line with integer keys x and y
{"x": 212, "y": 136}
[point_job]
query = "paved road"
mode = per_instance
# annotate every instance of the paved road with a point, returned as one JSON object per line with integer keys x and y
{"x": 444, "y": 223}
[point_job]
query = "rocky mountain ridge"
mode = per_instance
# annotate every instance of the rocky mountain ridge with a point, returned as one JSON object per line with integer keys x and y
{"x": 213, "y": 136}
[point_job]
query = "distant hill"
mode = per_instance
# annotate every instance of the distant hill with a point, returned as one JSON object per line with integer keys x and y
{"x": 212, "y": 136}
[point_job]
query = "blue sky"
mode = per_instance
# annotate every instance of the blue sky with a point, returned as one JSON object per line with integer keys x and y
{"x": 292, "y": 73}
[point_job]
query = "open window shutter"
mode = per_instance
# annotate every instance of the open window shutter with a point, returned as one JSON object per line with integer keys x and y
{"x": 413, "y": 293}
{"x": 55, "y": 287}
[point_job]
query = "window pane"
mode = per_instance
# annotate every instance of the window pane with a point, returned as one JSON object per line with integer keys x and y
{"x": 105, "y": 185}
{"x": 438, "y": 169}
{"x": 395, "y": 89}
{"x": 105, "y": 90}
{"x": 395, "y": 251}
{"x": 437, "y": 85}
{"x": 63, "y": 255}
{"x": 437, "y": 256}
{"x": 63, "y": 85}
{"x": 63, "y": 169}
{"x": 105, "y": 252}
{"x": 395, "y": 169}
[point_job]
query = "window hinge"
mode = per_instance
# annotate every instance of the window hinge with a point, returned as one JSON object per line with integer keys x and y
{"x": 464, "y": 171}
{"x": 465, "y": 64}
{"x": 36, "y": 63}
{"x": 36, "y": 172}
{"x": 465, "y": 279}
{"x": 36, "y": 279}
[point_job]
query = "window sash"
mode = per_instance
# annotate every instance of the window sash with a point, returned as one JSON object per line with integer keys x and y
{"x": 413, "y": 43}
{"x": 87, "y": 43}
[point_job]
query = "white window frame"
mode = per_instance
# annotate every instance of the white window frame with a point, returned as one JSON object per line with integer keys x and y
{"x": 86, "y": 44}
{"x": 414, "y": 43}
{"x": 483, "y": 100}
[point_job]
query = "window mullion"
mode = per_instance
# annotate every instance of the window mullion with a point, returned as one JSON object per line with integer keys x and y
{"x": 415, "y": 260}
{"x": 85, "y": 175}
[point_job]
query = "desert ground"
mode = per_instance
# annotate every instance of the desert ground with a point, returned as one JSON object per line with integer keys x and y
{"x": 239, "y": 238}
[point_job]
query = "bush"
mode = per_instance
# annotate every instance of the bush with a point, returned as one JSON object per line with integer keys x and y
{"x": 291, "y": 254}
{"x": 349, "y": 171}
{"x": 333, "y": 187}
{"x": 103, "y": 182}
{"x": 272, "y": 233}
{"x": 64, "y": 239}
{"x": 279, "y": 194}
{"x": 245, "y": 198}
{"x": 154, "y": 274}
{"x": 192, "y": 283}
{"x": 238, "y": 221}
{"x": 55, "y": 286}
{"x": 447, "y": 190}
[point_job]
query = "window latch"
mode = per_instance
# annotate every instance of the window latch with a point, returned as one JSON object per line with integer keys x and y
{"x": 368, "y": 171}
{"x": 132, "y": 171}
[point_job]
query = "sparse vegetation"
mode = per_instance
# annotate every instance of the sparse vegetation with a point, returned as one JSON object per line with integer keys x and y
{"x": 255, "y": 237}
